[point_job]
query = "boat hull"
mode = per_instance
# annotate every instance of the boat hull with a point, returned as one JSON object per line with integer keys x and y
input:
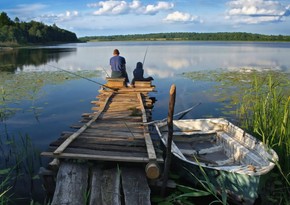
{"x": 233, "y": 161}
{"x": 240, "y": 189}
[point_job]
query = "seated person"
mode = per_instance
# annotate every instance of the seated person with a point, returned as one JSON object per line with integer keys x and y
{"x": 138, "y": 74}
{"x": 118, "y": 66}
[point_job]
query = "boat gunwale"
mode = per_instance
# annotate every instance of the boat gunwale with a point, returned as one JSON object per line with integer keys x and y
{"x": 240, "y": 169}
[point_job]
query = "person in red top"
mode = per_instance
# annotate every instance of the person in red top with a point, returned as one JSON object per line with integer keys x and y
{"x": 118, "y": 66}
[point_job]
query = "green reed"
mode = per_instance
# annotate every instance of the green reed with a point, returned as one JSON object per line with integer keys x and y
{"x": 264, "y": 110}
{"x": 261, "y": 102}
{"x": 4, "y": 186}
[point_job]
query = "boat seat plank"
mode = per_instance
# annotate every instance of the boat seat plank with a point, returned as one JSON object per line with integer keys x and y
{"x": 241, "y": 154}
{"x": 202, "y": 151}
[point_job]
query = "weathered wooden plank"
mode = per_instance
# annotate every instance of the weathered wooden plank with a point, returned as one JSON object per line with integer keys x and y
{"x": 105, "y": 187}
{"x": 143, "y": 84}
{"x": 70, "y": 186}
{"x": 149, "y": 144}
{"x": 102, "y": 156}
{"x": 125, "y": 142}
{"x": 125, "y": 133}
{"x": 110, "y": 187}
{"x": 95, "y": 186}
{"x": 102, "y": 153}
{"x": 121, "y": 132}
{"x": 122, "y": 122}
{"x": 103, "y": 138}
{"x": 135, "y": 186}
{"x": 121, "y": 147}
{"x": 76, "y": 134}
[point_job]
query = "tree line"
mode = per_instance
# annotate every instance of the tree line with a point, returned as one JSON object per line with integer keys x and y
{"x": 33, "y": 32}
{"x": 190, "y": 36}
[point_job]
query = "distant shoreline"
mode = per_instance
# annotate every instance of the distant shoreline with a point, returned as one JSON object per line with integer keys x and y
{"x": 181, "y": 36}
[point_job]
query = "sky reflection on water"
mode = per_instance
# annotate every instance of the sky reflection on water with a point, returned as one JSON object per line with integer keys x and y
{"x": 164, "y": 61}
{"x": 56, "y": 106}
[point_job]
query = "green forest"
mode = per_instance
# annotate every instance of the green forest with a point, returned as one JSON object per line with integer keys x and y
{"x": 14, "y": 33}
{"x": 222, "y": 36}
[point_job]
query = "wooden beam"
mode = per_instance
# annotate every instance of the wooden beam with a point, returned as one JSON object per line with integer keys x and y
{"x": 100, "y": 157}
{"x": 152, "y": 168}
{"x": 148, "y": 141}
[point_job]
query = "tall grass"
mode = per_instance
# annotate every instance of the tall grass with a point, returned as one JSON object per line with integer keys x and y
{"x": 4, "y": 186}
{"x": 265, "y": 111}
{"x": 261, "y": 102}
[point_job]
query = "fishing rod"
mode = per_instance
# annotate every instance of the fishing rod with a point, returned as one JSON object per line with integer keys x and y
{"x": 145, "y": 56}
{"x": 105, "y": 72}
{"x": 83, "y": 77}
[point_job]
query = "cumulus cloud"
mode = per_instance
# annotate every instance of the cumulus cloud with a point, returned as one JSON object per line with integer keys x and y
{"x": 116, "y": 7}
{"x": 256, "y": 11}
{"x": 153, "y": 9}
{"x": 182, "y": 17}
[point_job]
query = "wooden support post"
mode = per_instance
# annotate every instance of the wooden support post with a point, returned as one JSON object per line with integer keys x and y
{"x": 169, "y": 138}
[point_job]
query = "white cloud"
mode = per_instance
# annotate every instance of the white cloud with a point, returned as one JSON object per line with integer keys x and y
{"x": 116, "y": 7}
{"x": 181, "y": 17}
{"x": 71, "y": 13}
{"x": 256, "y": 11}
{"x": 161, "y": 5}
{"x": 55, "y": 18}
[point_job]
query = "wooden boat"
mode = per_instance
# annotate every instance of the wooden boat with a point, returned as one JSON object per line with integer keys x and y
{"x": 233, "y": 160}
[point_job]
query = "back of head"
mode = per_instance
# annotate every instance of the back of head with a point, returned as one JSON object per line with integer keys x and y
{"x": 116, "y": 52}
{"x": 139, "y": 65}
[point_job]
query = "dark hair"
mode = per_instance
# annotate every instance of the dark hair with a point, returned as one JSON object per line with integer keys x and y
{"x": 116, "y": 51}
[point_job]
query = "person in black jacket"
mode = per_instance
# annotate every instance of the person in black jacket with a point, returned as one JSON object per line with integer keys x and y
{"x": 138, "y": 74}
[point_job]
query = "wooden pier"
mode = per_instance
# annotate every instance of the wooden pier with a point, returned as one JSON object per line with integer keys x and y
{"x": 111, "y": 155}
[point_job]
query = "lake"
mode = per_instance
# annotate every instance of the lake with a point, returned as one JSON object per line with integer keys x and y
{"x": 39, "y": 100}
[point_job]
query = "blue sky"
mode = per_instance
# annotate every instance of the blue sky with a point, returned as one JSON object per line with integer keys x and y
{"x": 114, "y": 17}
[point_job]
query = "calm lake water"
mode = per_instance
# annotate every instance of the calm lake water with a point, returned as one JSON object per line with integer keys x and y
{"x": 46, "y": 100}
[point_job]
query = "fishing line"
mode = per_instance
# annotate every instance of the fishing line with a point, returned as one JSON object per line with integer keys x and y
{"x": 83, "y": 77}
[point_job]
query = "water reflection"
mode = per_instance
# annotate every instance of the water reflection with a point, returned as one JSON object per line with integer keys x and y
{"x": 33, "y": 71}
{"x": 16, "y": 59}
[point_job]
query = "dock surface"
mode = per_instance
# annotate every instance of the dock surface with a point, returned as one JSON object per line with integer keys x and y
{"x": 116, "y": 132}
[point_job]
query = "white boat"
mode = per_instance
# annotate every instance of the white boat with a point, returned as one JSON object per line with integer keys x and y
{"x": 233, "y": 160}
